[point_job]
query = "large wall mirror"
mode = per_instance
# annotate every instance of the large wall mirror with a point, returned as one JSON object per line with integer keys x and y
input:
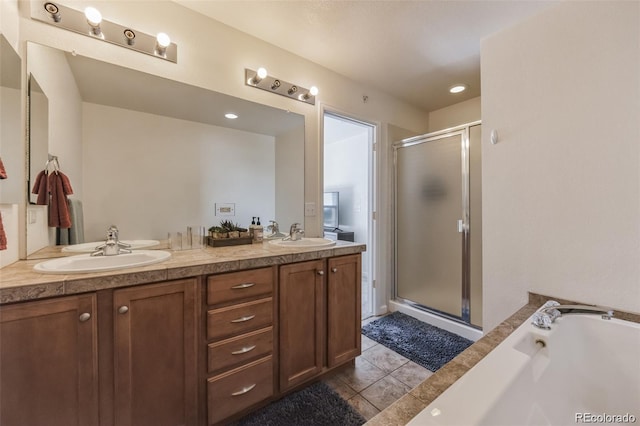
{"x": 153, "y": 156}
{"x": 11, "y": 148}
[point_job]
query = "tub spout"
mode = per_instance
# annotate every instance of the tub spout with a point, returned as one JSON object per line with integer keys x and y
{"x": 551, "y": 310}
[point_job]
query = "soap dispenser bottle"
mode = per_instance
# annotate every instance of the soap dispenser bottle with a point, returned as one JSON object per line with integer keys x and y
{"x": 258, "y": 232}
{"x": 252, "y": 227}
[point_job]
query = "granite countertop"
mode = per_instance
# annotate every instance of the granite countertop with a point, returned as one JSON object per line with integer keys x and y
{"x": 19, "y": 282}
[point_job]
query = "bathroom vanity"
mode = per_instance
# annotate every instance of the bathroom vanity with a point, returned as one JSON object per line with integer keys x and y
{"x": 204, "y": 337}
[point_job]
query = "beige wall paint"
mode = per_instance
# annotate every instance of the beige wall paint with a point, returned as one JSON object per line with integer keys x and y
{"x": 455, "y": 115}
{"x": 561, "y": 189}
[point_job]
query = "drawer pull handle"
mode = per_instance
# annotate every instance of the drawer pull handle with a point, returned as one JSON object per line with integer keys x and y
{"x": 334, "y": 270}
{"x": 123, "y": 309}
{"x": 320, "y": 272}
{"x": 243, "y": 285}
{"x": 243, "y": 350}
{"x": 243, "y": 319}
{"x": 85, "y": 316}
{"x": 244, "y": 390}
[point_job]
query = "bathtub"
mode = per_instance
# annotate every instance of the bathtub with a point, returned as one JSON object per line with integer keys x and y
{"x": 584, "y": 370}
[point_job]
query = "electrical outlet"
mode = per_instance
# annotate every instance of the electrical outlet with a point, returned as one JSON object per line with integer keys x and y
{"x": 309, "y": 209}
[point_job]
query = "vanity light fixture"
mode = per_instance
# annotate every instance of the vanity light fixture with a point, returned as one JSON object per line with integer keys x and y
{"x": 94, "y": 17}
{"x": 458, "y": 88}
{"x": 313, "y": 91}
{"x": 75, "y": 20}
{"x": 162, "y": 42}
{"x": 261, "y": 80}
{"x": 53, "y": 11}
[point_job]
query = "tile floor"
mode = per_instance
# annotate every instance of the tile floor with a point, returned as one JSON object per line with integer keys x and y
{"x": 379, "y": 378}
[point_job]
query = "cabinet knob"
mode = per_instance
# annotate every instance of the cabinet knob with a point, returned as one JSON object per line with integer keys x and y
{"x": 123, "y": 309}
{"x": 321, "y": 272}
{"x": 334, "y": 270}
{"x": 85, "y": 316}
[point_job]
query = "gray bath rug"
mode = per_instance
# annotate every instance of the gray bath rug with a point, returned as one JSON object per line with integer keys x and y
{"x": 424, "y": 344}
{"x": 315, "y": 405}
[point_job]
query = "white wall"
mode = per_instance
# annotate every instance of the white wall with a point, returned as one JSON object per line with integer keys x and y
{"x": 455, "y": 115}
{"x": 561, "y": 189}
{"x": 150, "y": 174}
{"x": 289, "y": 168}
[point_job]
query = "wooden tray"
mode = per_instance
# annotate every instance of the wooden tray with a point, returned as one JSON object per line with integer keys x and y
{"x": 225, "y": 242}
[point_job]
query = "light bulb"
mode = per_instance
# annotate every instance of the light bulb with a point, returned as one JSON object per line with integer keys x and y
{"x": 458, "y": 88}
{"x": 163, "y": 40}
{"x": 93, "y": 15}
{"x": 313, "y": 91}
{"x": 231, "y": 116}
{"x": 262, "y": 73}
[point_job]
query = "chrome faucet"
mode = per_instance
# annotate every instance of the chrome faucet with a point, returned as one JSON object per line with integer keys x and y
{"x": 295, "y": 232}
{"x": 550, "y": 311}
{"x": 112, "y": 246}
{"x": 274, "y": 228}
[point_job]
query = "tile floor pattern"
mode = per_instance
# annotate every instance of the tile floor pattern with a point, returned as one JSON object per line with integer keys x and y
{"x": 379, "y": 378}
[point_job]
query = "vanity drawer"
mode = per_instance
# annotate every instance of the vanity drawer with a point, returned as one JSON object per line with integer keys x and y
{"x": 239, "y": 319}
{"x": 232, "y": 392}
{"x": 237, "y": 350}
{"x": 239, "y": 285}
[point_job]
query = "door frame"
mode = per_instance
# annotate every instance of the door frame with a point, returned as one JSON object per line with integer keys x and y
{"x": 463, "y": 131}
{"x": 377, "y": 297}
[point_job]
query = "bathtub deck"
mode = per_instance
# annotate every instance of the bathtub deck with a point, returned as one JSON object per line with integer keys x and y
{"x": 407, "y": 407}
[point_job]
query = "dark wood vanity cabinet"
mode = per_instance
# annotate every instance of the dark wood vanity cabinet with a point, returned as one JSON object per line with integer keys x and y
{"x": 49, "y": 362}
{"x": 320, "y": 317}
{"x": 155, "y": 354}
{"x": 240, "y": 332}
{"x": 115, "y": 357}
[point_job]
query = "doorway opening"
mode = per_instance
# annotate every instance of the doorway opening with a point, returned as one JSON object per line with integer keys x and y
{"x": 349, "y": 191}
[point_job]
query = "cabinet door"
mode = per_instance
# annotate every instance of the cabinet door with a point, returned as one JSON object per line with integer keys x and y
{"x": 301, "y": 322}
{"x": 344, "y": 287}
{"x": 155, "y": 354}
{"x": 48, "y": 362}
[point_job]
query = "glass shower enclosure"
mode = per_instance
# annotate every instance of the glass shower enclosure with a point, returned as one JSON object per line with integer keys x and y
{"x": 437, "y": 218}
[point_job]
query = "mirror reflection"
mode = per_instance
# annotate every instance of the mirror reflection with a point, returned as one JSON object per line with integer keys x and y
{"x": 11, "y": 151}
{"x": 154, "y": 156}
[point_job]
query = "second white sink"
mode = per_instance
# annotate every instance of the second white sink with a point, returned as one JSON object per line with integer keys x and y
{"x": 304, "y": 242}
{"x": 85, "y": 263}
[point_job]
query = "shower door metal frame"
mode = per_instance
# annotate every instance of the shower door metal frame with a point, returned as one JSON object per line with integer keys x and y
{"x": 464, "y": 132}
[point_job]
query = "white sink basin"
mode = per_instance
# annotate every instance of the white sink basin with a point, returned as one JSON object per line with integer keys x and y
{"x": 85, "y": 263}
{"x": 91, "y": 247}
{"x": 304, "y": 242}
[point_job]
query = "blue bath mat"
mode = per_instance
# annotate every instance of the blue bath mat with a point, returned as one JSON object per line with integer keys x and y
{"x": 315, "y": 405}
{"x": 424, "y": 344}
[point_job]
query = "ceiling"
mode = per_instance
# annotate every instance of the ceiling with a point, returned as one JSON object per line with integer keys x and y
{"x": 413, "y": 50}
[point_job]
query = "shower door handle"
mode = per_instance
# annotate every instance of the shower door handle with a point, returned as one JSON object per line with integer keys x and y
{"x": 461, "y": 226}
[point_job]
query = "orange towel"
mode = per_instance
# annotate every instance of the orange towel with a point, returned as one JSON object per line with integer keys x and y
{"x": 40, "y": 187}
{"x": 60, "y": 187}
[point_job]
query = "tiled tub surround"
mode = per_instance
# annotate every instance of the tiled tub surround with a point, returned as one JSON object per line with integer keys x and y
{"x": 406, "y": 408}
{"x": 18, "y": 282}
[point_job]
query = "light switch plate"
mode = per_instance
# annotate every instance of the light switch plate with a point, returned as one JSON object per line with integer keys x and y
{"x": 225, "y": 209}
{"x": 309, "y": 209}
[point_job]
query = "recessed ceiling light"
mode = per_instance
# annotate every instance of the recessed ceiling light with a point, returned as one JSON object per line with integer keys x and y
{"x": 231, "y": 116}
{"x": 457, "y": 88}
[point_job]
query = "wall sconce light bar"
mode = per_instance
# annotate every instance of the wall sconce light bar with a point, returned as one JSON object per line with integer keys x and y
{"x": 280, "y": 87}
{"x": 74, "y": 20}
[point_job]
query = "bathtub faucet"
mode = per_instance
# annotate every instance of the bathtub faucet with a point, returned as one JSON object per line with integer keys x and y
{"x": 547, "y": 314}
